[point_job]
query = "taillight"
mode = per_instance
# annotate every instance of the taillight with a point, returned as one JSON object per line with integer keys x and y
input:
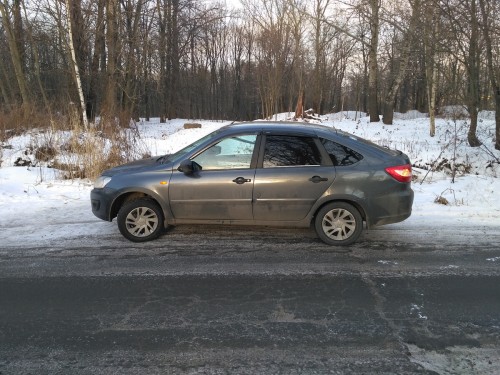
{"x": 401, "y": 173}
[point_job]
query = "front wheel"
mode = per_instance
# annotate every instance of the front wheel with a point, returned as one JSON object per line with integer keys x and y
{"x": 140, "y": 220}
{"x": 338, "y": 223}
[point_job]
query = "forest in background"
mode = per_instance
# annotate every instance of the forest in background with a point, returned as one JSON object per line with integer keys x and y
{"x": 122, "y": 59}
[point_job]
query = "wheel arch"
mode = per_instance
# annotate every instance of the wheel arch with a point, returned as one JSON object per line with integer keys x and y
{"x": 347, "y": 200}
{"x": 128, "y": 196}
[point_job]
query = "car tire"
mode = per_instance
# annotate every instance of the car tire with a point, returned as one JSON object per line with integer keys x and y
{"x": 140, "y": 220}
{"x": 338, "y": 223}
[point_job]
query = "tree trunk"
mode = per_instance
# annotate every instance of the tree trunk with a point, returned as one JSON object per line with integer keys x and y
{"x": 5, "y": 87}
{"x": 129, "y": 87}
{"x": 97, "y": 57}
{"x": 497, "y": 117}
{"x": 494, "y": 73}
{"x": 431, "y": 64}
{"x": 112, "y": 7}
{"x": 388, "y": 111}
{"x": 431, "y": 93}
{"x": 162, "y": 51}
{"x": 373, "y": 62}
{"x": 74, "y": 65}
{"x": 172, "y": 71}
{"x": 238, "y": 49}
{"x": 299, "y": 109}
{"x": 473, "y": 67}
{"x": 317, "y": 90}
{"x": 389, "y": 101}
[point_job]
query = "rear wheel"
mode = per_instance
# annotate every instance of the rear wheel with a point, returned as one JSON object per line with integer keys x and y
{"x": 338, "y": 223}
{"x": 140, "y": 220}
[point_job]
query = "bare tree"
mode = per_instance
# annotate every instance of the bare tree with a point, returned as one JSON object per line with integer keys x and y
{"x": 74, "y": 63}
{"x": 98, "y": 62}
{"x": 215, "y": 46}
{"x": 408, "y": 35}
{"x": 5, "y": 89}
{"x": 274, "y": 46}
{"x": 473, "y": 69}
{"x": 237, "y": 55}
{"x": 374, "y": 8}
{"x": 249, "y": 101}
{"x": 174, "y": 58}
{"x": 487, "y": 8}
{"x": 113, "y": 49}
{"x": 36, "y": 59}
{"x": 168, "y": 17}
{"x": 12, "y": 23}
{"x": 462, "y": 16}
{"x": 322, "y": 36}
{"x": 132, "y": 14}
{"x": 431, "y": 27}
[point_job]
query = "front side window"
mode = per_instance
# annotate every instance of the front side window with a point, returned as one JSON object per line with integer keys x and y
{"x": 341, "y": 155}
{"x": 287, "y": 151}
{"x": 230, "y": 153}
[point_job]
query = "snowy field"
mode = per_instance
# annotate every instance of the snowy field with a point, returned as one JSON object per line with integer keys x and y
{"x": 35, "y": 204}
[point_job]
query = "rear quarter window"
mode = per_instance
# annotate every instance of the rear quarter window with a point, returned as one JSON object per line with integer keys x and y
{"x": 364, "y": 141}
{"x": 341, "y": 155}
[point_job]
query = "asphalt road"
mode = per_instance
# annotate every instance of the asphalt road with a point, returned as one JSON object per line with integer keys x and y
{"x": 213, "y": 300}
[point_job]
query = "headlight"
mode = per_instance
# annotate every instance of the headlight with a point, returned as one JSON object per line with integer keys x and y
{"x": 101, "y": 181}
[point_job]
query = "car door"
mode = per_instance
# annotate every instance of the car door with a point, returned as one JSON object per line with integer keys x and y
{"x": 222, "y": 189}
{"x": 293, "y": 173}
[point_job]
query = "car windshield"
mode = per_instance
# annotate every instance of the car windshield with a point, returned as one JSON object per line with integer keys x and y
{"x": 176, "y": 155}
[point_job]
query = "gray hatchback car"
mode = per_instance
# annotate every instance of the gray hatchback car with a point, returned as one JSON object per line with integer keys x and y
{"x": 261, "y": 173}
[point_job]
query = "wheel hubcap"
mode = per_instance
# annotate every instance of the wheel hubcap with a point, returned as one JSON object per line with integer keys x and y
{"x": 338, "y": 224}
{"x": 141, "y": 221}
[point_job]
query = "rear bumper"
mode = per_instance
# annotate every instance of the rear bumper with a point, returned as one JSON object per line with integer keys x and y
{"x": 101, "y": 201}
{"x": 392, "y": 208}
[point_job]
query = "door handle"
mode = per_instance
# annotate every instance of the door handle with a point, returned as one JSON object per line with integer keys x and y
{"x": 317, "y": 179}
{"x": 241, "y": 180}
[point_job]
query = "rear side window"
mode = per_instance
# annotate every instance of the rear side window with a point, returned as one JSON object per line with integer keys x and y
{"x": 341, "y": 155}
{"x": 287, "y": 151}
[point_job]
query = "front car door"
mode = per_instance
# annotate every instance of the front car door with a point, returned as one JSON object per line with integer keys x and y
{"x": 222, "y": 190}
{"x": 293, "y": 173}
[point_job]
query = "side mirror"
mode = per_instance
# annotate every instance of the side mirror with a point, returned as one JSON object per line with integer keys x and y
{"x": 189, "y": 167}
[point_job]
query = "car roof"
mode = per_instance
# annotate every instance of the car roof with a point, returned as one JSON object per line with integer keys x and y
{"x": 278, "y": 126}
{"x": 313, "y": 129}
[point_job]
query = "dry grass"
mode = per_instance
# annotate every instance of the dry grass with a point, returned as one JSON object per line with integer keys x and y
{"x": 60, "y": 142}
{"x": 88, "y": 153}
{"x": 19, "y": 120}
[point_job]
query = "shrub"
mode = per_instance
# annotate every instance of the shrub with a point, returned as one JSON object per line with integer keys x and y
{"x": 62, "y": 143}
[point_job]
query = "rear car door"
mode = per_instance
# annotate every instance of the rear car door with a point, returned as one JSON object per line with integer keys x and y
{"x": 293, "y": 173}
{"x": 222, "y": 190}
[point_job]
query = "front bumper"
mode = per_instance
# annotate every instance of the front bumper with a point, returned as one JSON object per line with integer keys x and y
{"x": 101, "y": 201}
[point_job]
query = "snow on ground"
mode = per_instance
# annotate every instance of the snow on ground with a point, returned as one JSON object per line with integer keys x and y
{"x": 35, "y": 198}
